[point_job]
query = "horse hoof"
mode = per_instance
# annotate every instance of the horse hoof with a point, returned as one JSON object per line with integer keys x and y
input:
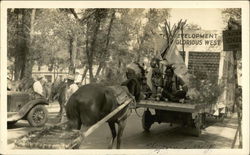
{"x": 109, "y": 147}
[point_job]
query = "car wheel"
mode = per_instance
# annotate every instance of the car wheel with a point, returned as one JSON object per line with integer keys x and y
{"x": 11, "y": 124}
{"x": 37, "y": 116}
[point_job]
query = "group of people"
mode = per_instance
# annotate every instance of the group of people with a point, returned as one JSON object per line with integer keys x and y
{"x": 161, "y": 83}
{"x": 71, "y": 87}
{"x": 40, "y": 82}
{"x": 165, "y": 85}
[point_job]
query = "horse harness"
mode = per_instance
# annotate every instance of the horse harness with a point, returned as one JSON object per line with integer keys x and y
{"x": 121, "y": 94}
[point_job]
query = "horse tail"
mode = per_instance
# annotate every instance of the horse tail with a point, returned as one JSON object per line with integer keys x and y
{"x": 73, "y": 114}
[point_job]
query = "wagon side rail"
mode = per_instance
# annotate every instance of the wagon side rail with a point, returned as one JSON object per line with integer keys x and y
{"x": 173, "y": 106}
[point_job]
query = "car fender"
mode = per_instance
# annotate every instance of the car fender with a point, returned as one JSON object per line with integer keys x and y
{"x": 26, "y": 108}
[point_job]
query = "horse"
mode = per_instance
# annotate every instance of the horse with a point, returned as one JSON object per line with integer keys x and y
{"x": 58, "y": 92}
{"x": 92, "y": 102}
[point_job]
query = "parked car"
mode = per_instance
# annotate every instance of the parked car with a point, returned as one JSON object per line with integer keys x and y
{"x": 20, "y": 106}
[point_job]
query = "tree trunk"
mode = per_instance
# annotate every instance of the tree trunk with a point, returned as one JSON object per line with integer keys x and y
{"x": 72, "y": 52}
{"x": 30, "y": 61}
{"x": 95, "y": 30}
{"x": 20, "y": 46}
{"x": 23, "y": 57}
{"x": 89, "y": 58}
{"x": 140, "y": 42}
{"x": 100, "y": 67}
{"x": 102, "y": 62}
{"x": 84, "y": 73}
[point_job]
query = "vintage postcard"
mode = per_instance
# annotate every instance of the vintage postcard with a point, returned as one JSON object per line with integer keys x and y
{"x": 124, "y": 77}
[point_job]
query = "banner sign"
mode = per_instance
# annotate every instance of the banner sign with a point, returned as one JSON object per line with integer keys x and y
{"x": 232, "y": 40}
{"x": 200, "y": 40}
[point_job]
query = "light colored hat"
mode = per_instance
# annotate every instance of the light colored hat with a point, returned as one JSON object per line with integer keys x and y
{"x": 71, "y": 77}
{"x": 39, "y": 77}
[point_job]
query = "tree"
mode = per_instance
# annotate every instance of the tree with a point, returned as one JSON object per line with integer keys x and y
{"x": 234, "y": 13}
{"x": 57, "y": 39}
{"x": 147, "y": 40}
{"x": 21, "y": 42}
{"x": 93, "y": 27}
{"x": 41, "y": 36}
{"x": 192, "y": 26}
{"x": 107, "y": 42}
{"x": 70, "y": 38}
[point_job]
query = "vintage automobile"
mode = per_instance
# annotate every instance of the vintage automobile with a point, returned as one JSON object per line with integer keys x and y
{"x": 20, "y": 106}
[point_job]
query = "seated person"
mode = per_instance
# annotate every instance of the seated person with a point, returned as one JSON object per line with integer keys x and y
{"x": 174, "y": 88}
{"x": 156, "y": 78}
{"x": 38, "y": 89}
{"x": 145, "y": 89}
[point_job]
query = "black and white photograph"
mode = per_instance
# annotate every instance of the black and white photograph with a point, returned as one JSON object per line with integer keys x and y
{"x": 125, "y": 77}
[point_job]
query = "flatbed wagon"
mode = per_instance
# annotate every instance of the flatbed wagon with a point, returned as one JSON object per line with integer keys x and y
{"x": 189, "y": 115}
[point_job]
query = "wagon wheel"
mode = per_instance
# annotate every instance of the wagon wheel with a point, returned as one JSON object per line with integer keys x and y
{"x": 147, "y": 120}
{"x": 37, "y": 116}
{"x": 197, "y": 125}
{"x": 203, "y": 121}
{"x": 222, "y": 116}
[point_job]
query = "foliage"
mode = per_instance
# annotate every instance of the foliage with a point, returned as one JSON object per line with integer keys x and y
{"x": 208, "y": 88}
{"x": 234, "y": 13}
{"x": 192, "y": 26}
{"x": 53, "y": 36}
{"x": 118, "y": 40}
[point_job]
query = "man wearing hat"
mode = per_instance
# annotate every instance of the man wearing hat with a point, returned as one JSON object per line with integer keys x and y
{"x": 156, "y": 78}
{"x": 71, "y": 88}
{"x": 38, "y": 87}
{"x": 174, "y": 88}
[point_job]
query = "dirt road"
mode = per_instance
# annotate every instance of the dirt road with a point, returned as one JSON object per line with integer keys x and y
{"x": 217, "y": 135}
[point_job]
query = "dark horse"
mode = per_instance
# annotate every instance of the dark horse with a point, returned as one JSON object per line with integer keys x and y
{"x": 92, "y": 102}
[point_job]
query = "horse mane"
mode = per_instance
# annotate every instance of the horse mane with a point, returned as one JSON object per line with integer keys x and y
{"x": 136, "y": 91}
{"x": 141, "y": 68}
